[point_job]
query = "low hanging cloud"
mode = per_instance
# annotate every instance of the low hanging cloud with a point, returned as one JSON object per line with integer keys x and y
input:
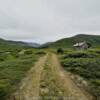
{"x": 48, "y": 20}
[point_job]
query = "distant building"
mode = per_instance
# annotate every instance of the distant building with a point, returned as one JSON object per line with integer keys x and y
{"x": 81, "y": 46}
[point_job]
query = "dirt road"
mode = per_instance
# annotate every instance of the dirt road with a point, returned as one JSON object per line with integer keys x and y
{"x": 47, "y": 80}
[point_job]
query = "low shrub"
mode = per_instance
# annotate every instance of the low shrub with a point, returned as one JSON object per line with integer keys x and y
{"x": 60, "y": 50}
{"x": 85, "y": 64}
{"x": 79, "y": 55}
{"x": 12, "y": 71}
{"x": 40, "y": 53}
{"x": 28, "y": 52}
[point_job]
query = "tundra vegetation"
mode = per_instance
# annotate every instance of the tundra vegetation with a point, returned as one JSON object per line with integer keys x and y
{"x": 16, "y": 60}
{"x": 85, "y": 64}
{"x": 13, "y": 67}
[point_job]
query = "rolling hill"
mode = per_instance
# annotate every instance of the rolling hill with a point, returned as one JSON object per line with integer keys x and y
{"x": 94, "y": 40}
{"x": 11, "y": 45}
{"x": 8, "y": 44}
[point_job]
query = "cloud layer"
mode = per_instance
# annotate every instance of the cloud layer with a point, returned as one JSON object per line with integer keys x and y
{"x": 48, "y": 20}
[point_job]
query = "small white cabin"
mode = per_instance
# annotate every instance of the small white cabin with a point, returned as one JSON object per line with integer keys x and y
{"x": 81, "y": 46}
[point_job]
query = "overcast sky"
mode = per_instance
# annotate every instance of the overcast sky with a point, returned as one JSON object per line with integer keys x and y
{"x": 48, "y": 20}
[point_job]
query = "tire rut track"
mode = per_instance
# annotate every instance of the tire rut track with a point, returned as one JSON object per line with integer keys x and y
{"x": 29, "y": 88}
{"x": 73, "y": 92}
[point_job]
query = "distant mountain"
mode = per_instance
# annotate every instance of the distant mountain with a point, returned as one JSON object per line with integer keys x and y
{"x": 24, "y": 43}
{"x": 45, "y": 45}
{"x": 35, "y": 45}
{"x": 94, "y": 40}
{"x": 8, "y": 44}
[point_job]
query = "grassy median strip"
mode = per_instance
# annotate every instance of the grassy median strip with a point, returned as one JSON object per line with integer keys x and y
{"x": 49, "y": 86}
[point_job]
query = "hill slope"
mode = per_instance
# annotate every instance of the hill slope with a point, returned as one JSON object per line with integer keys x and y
{"x": 94, "y": 40}
{"x": 9, "y": 45}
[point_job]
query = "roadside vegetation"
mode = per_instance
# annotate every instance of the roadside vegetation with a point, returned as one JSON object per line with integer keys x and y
{"x": 86, "y": 64}
{"x": 14, "y": 64}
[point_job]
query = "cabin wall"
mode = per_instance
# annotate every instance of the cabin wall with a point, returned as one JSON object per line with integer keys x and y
{"x": 83, "y": 47}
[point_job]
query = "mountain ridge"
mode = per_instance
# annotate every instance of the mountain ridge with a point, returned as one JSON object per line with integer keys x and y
{"x": 94, "y": 40}
{"x": 18, "y": 43}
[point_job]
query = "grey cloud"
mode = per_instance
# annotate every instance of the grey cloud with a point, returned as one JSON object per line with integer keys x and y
{"x": 48, "y": 20}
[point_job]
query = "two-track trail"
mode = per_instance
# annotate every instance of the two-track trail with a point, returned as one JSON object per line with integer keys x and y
{"x": 47, "y": 80}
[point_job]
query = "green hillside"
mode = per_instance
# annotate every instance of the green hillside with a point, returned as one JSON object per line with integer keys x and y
{"x": 11, "y": 45}
{"x": 94, "y": 40}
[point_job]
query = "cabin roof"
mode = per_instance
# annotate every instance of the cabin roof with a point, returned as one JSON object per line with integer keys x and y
{"x": 79, "y": 44}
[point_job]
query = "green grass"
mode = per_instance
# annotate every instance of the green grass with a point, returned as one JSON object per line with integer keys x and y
{"x": 13, "y": 67}
{"x": 85, "y": 64}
